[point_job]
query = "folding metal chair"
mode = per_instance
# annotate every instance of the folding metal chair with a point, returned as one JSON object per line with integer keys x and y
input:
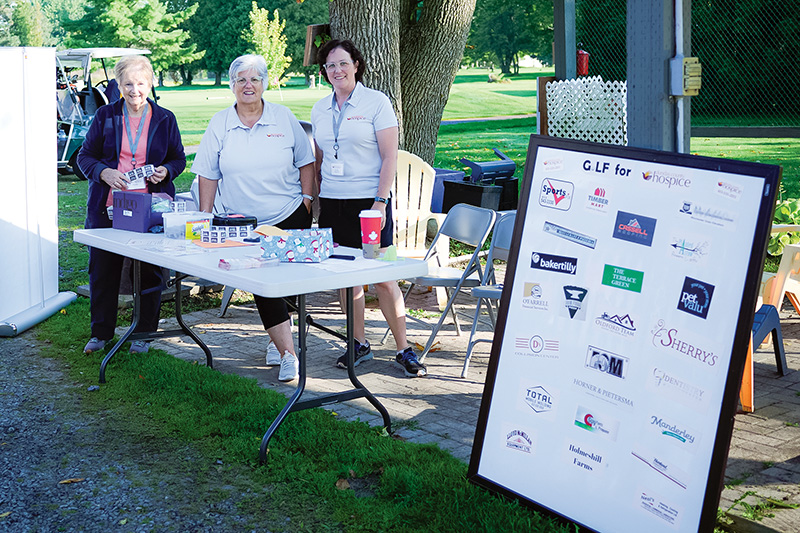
{"x": 467, "y": 224}
{"x": 489, "y": 289}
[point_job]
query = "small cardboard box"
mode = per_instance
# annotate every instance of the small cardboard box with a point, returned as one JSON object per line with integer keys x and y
{"x": 186, "y": 224}
{"x": 131, "y": 211}
{"x": 301, "y": 246}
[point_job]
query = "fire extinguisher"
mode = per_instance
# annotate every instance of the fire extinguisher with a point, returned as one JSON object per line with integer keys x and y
{"x": 582, "y": 61}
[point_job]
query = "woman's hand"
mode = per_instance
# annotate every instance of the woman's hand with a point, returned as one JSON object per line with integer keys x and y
{"x": 114, "y": 178}
{"x": 159, "y": 175}
{"x": 307, "y": 203}
{"x": 380, "y": 206}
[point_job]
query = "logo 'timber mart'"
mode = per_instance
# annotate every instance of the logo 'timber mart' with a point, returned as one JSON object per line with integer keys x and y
{"x": 623, "y": 278}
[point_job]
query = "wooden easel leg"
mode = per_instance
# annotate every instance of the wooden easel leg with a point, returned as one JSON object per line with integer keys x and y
{"x": 746, "y": 392}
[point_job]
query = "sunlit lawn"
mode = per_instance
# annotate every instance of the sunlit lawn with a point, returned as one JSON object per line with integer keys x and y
{"x": 471, "y": 96}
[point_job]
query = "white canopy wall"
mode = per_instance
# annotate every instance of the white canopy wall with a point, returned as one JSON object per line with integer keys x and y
{"x": 28, "y": 191}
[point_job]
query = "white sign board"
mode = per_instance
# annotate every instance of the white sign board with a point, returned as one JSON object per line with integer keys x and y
{"x": 28, "y": 203}
{"x": 622, "y": 334}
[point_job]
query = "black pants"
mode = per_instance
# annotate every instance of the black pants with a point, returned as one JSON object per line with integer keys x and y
{"x": 273, "y": 311}
{"x": 105, "y": 272}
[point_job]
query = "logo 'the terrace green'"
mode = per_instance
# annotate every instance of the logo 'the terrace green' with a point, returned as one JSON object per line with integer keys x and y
{"x": 623, "y": 278}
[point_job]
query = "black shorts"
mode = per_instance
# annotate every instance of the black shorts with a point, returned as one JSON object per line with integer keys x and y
{"x": 273, "y": 311}
{"x": 342, "y": 217}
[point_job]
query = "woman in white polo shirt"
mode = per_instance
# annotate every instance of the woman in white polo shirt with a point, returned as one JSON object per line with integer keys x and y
{"x": 355, "y": 131}
{"x": 256, "y": 157}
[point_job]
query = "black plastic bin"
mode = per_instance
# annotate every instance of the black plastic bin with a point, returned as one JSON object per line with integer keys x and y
{"x": 443, "y": 175}
{"x": 482, "y": 194}
{"x": 510, "y": 196}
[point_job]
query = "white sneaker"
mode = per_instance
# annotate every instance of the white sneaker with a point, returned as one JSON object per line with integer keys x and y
{"x": 289, "y": 367}
{"x": 273, "y": 355}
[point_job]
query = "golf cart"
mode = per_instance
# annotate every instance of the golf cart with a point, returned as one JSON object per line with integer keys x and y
{"x": 79, "y": 98}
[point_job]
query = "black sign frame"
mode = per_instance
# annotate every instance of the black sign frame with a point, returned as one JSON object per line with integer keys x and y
{"x": 771, "y": 175}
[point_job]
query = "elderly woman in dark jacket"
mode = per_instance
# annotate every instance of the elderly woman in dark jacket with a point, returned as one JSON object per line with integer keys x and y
{"x": 130, "y": 133}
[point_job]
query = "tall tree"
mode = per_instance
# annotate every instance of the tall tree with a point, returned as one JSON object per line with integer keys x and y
{"x": 267, "y": 39}
{"x": 217, "y": 30}
{"x": 298, "y": 15}
{"x": 56, "y": 11}
{"x": 146, "y": 24}
{"x": 413, "y": 49}
{"x": 7, "y": 37}
{"x": 27, "y": 23}
{"x": 506, "y": 28}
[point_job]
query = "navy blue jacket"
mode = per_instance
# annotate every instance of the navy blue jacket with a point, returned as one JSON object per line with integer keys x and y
{"x": 101, "y": 150}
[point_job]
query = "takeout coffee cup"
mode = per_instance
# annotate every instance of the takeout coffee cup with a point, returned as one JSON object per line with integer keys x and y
{"x": 370, "y": 232}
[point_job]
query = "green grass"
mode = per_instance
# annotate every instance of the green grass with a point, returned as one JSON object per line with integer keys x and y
{"x": 471, "y": 96}
{"x": 311, "y": 452}
{"x": 784, "y": 152}
{"x": 314, "y": 449}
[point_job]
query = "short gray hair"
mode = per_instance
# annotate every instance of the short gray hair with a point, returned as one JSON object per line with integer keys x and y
{"x": 129, "y": 64}
{"x": 247, "y": 62}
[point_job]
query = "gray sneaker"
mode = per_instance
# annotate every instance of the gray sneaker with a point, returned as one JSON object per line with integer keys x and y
{"x": 273, "y": 355}
{"x": 140, "y": 347}
{"x": 94, "y": 345}
{"x": 290, "y": 366}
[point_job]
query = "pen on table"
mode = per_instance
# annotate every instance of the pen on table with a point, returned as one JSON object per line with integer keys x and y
{"x": 345, "y": 257}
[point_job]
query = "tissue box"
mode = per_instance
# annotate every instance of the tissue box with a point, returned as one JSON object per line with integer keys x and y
{"x": 131, "y": 211}
{"x": 301, "y": 246}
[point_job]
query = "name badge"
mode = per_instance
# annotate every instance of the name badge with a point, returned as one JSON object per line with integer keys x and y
{"x": 337, "y": 169}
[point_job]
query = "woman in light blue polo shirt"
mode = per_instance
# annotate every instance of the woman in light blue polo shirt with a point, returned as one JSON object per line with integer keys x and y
{"x": 257, "y": 158}
{"x": 355, "y": 131}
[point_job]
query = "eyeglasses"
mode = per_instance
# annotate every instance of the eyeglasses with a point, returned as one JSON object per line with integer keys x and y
{"x": 254, "y": 80}
{"x": 341, "y": 64}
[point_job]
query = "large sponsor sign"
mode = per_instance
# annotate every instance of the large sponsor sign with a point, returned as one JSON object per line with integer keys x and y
{"x": 621, "y": 339}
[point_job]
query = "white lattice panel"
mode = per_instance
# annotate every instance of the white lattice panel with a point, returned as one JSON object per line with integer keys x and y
{"x": 588, "y": 109}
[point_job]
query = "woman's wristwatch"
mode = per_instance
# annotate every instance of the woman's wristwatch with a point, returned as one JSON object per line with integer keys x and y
{"x": 308, "y": 197}
{"x": 382, "y": 200}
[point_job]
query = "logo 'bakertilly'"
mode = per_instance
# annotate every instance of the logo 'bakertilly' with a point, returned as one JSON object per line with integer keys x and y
{"x": 554, "y": 263}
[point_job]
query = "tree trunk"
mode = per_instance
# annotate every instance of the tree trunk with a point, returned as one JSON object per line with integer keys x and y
{"x": 218, "y": 78}
{"x": 432, "y": 40}
{"x": 186, "y": 75}
{"x": 412, "y": 51}
{"x": 373, "y": 26}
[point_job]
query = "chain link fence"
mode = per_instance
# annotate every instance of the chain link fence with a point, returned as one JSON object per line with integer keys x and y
{"x": 749, "y": 49}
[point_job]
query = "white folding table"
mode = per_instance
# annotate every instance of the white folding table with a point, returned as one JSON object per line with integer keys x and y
{"x": 287, "y": 279}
